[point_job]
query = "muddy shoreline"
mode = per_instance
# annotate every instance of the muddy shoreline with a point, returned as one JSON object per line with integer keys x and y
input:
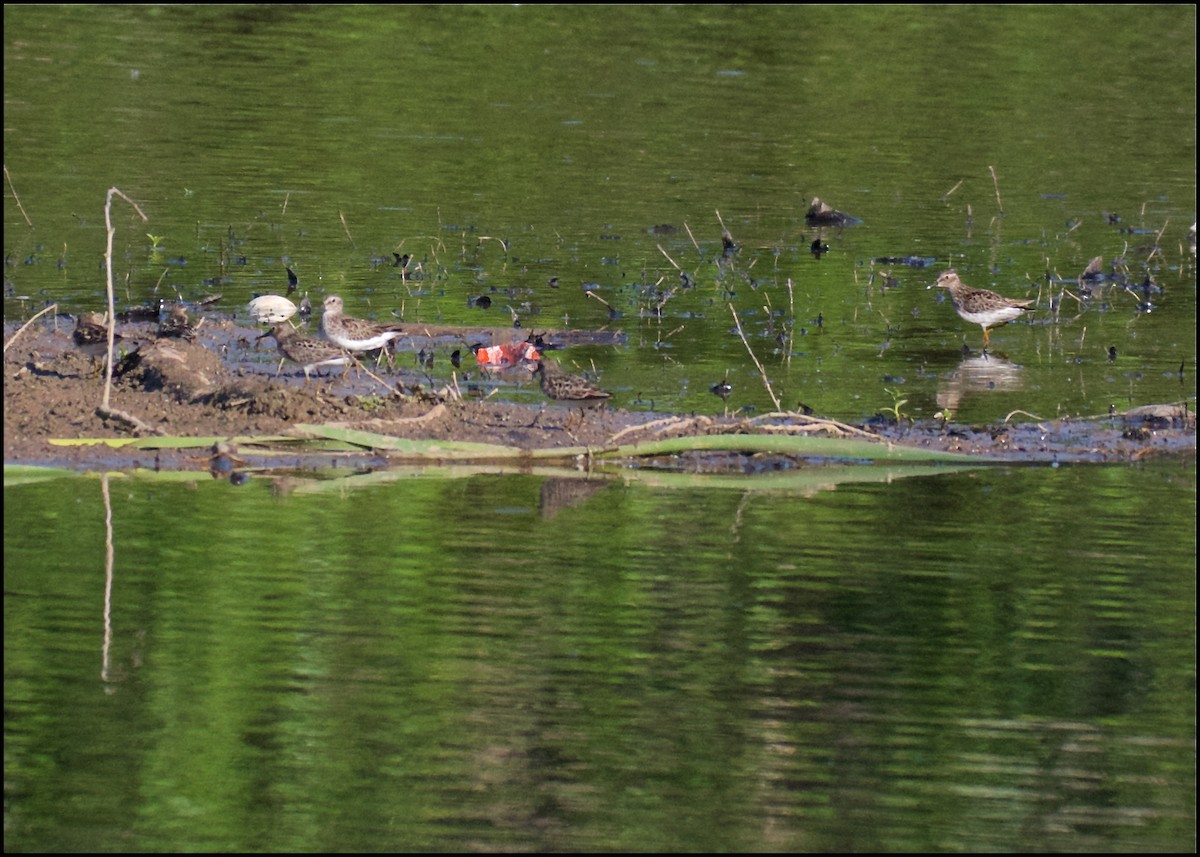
{"x": 195, "y": 389}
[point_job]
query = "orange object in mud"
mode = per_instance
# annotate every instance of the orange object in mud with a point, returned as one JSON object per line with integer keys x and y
{"x": 507, "y": 355}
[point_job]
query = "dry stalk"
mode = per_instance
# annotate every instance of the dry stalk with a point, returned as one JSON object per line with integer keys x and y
{"x": 346, "y": 229}
{"x": 13, "y": 338}
{"x": 107, "y": 413}
{"x": 592, "y": 294}
{"x": 669, "y": 259}
{"x": 816, "y": 422}
{"x": 791, "y": 312}
{"x": 503, "y": 243}
{"x": 761, "y": 371}
{"x": 437, "y": 411}
{"x": 112, "y": 310}
{"x": 996, "y": 184}
{"x": 1158, "y": 237}
{"x": 948, "y": 193}
{"x": 664, "y": 425}
{"x": 690, "y": 235}
{"x": 15, "y": 197}
{"x": 376, "y": 378}
{"x": 807, "y": 429}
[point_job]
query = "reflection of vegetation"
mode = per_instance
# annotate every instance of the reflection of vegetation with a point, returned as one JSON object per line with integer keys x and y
{"x": 938, "y": 664}
{"x": 645, "y": 669}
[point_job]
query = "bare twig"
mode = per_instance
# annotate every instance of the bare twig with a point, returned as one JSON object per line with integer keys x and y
{"x": 996, "y": 184}
{"x": 346, "y": 229}
{"x": 112, "y": 310}
{"x": 948, "y": 193}
{"x": 436, "y": 412}
{"x": 761, "y": 371}
{"x": 814, "y": 422}
{"x": 664, "y": 425}
{"x": 669, "y": 259}
{"x": 503, "y": 243}
{"x": 12, "y": 338}
{"x": 721, "y": 221}
{"x": 107, "y": 413}
{"x": 15, "y": 197}
{"x": 375, "y": 377}
{"x": 690, "y": 235}
{"x": 791, "y": 339}
{"x": 592, "y": 294}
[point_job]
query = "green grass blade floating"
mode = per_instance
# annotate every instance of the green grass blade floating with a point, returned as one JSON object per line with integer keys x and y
{"x": 429, "y": 449}
{"x": 802, "y": 446}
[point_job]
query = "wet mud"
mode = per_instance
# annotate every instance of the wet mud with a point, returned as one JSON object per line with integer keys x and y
{"x": 224, "y": 384}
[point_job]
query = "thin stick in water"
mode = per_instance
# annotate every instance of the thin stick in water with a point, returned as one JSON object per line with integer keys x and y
{"x": 948, "y": 193}
{"x": 761, "y": 371}
{"x": 15, "y": 197}
{"x": 996, "y": 184}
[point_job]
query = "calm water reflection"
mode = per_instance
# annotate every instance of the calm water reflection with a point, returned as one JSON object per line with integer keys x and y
{"x": 522, "y": 662}
{"x": 991, "y": 659}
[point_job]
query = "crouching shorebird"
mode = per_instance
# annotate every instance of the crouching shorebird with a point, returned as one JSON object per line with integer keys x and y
{"x": 356, "y": 334}
{"x": 979, "y": 306}
{"x": 574, "y": 390}
{"x": 91, "y": 335}
{"x": 312, "y": 354}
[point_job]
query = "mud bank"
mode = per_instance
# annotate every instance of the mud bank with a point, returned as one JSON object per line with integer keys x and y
{"x": 225, "y": 388}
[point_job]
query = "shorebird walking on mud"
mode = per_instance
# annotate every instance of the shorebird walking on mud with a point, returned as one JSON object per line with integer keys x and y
{"x": 312, "y": 354}
{"x": 574, "y": 390}
{"x": 356, "y": 334}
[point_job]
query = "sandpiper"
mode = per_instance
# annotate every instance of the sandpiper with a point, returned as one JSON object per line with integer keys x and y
{"x": 310, "y": 353}
{"x": 91, "y": 335}
{"x": 979, "y": 306}
{"x": 177, "y": 325}
{"x": 574, "y": 390}
{"x": 355, "y": 334}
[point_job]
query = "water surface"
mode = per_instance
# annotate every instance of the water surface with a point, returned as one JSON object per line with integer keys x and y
{"x": 981, "y": 659}
{"x": 499, "y": 662}
{"x": 502, "y": 146}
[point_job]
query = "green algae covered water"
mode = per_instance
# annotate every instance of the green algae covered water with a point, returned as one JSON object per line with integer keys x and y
{"x": 977, "y": 659}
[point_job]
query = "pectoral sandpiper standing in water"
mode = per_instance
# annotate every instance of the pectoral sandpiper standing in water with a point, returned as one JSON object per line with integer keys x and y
{"x": 312, "y": 354}
{"x": 574, "y": 390}
{"x": 979, "y": 306}
{"x": 356, "y": 334}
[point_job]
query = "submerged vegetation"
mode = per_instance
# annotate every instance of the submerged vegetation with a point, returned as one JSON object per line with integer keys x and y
{"x": 789, "y": 432}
